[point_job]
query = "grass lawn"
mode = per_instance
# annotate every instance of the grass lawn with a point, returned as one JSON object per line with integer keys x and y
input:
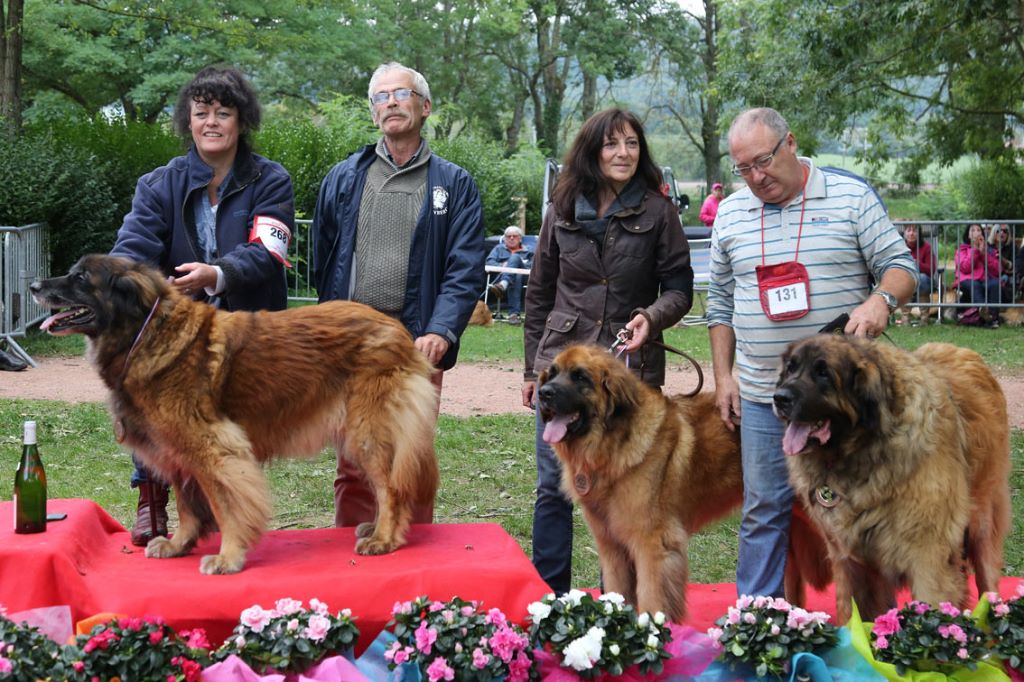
{"x": 487, "y": 465}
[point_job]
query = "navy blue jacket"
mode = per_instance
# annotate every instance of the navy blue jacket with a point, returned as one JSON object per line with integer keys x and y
{"x": 446, "y": 261}
{"x": 161, "y": 227}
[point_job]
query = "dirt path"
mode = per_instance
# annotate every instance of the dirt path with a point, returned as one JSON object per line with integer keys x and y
{"x": 470, "y": 388}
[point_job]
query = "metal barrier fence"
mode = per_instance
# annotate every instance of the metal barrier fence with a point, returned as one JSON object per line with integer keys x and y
{"x": 300, "y": 276}
{"x": 23, "y": 258}
{"x": 949, "y": 295}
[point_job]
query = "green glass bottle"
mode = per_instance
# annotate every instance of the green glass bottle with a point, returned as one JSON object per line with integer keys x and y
{"x": 30, "y": 487}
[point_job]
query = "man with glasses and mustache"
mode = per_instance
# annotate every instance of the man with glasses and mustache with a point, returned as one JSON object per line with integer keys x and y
{"x": 799, "y": 246}
{"x": 400, "y": 229}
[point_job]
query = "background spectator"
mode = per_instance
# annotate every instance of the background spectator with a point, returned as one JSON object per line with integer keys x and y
{"x": 709, "y": 209}
{"x": 510, "y": 253}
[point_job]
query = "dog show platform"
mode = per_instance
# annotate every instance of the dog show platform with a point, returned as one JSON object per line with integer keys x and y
{"x": 88, "y": 563}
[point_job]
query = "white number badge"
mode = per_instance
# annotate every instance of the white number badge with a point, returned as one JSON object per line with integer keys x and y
{"x": 274, "y": 235}
{"x": 784, "y": 290}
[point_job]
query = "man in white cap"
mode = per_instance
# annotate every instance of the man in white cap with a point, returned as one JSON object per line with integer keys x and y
{"x": 510, "y": 253}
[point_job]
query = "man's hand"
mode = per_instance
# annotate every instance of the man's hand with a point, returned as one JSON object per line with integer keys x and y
{"x": 433, "y": 346}
{"x": 641, "y": 329}
{"x": 727, "y": 397}
{"x": 869, "y": 319}
{"x": 529, "y": 391}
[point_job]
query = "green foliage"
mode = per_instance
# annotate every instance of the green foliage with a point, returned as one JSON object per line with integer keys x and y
{"x": 44, "y": 180}
{"x": 919, "y": 636}
{"x": 993, "y": 190}
{"x": 136, "y": 649}
{"x": 484, "y": 160}
{"x": 1006, "y": 624}
{"x": 30, "y": 654}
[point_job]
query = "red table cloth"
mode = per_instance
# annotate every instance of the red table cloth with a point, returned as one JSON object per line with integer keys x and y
{"x": 88, "y": 563}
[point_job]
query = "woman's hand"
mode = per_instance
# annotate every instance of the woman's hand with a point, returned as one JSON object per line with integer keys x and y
{"x": 197, "y": 276}
{"x": 529, "y": 389}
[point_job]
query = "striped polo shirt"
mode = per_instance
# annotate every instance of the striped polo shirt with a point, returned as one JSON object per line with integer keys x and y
{"x": 847, "y": 240}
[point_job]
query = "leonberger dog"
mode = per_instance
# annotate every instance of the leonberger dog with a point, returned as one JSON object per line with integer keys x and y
{"x": 902, "y": 461}
{"x": 648, "y": 471}
{"x": 204, "y": 397}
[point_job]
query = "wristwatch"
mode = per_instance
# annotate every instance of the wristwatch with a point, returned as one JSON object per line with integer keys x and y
{"x": 889, "y": 299}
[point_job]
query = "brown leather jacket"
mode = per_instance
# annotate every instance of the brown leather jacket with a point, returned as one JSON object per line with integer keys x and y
{"x": 578, "y": 295}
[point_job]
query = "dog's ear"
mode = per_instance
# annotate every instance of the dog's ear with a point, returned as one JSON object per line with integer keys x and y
{"x": 131, "y": 292}
{"x": 869, "y": 390}
{"x": 622, "y": 390}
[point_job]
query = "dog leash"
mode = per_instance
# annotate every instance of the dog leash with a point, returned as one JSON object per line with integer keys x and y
{"x": 138, "y": 337}
{"x": 619, "y": 346}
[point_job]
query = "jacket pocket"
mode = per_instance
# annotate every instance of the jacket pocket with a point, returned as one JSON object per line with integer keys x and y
{"x": 558, "y": 334}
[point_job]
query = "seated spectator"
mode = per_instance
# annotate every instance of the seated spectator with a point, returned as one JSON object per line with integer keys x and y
{"x": 709, "y": 209}
{"x": 977, "y": 275}
{"x": 1000, "y": 240}
{"x": 510, "y": 253}
{"x": 921, "y": 250}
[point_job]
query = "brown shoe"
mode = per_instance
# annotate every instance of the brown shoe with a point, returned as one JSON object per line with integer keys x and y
{"x": 151, "y": 513}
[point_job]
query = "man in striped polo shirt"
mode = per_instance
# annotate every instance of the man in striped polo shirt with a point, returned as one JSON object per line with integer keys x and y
{"x": 813, "y": 241}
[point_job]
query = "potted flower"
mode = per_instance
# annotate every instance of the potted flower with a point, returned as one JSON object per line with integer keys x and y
{"x": 137, "y": 649}
{"x": 1006, "y": 629}
{"x": 763, "y": 634}
{"x": 457, "y": 640}
{"x": 921, "y": 640}
{"x": 26, "y": 654}
{"x": 289, "y": 638}
{"x": 605, "y": 637}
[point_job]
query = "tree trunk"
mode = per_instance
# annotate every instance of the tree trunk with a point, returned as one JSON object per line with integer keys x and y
{"x": 10, "y": 64}
{"x": 515, "y": 126}
{"x": 710, "y": 118}
{"x": 588, "y": 103}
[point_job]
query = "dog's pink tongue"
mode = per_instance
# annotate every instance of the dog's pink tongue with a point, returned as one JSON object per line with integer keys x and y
{"x": 48, "y": 322}
{"x": 797, "y": 433}
{"x": 555, "y": 430}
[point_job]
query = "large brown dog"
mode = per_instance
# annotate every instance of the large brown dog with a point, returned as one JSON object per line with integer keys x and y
{"x": 204, "y": 397}
{"x": 902, "y": 460}
{"x": 647, "y": 470}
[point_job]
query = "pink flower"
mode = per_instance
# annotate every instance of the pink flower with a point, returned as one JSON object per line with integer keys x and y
{"x": 436, "y": 606}
{"x": 5, "y": 665}
{"x": 255, "y": 618}
{"x": 480, "y": 659}
{"x": 715, "y": 634}
{"x": 495, "y": 617}
{"x": 401, "y": 608}
{"x": 962, "y": 653}
{"x": 425, "y": 638}
{"x": 920, "y": 608}
{"x": 954, "y": 631}
{"x": 467, "y": 611}
{"x": 949, "y": 609}
{"x": 504, "y": 643}
{"x": 744, "y": 601}
{"x": 1020, "y": 589}
{"x": 440, "y": 670}
{"x": 881, "y": 642}
{"x": 734, "y": 615}
{"x": 79, "y": 666}
{"x": 448, "y": 616}
{"x": 286, "y": 606}
{"x": 318, "y": 628}
{"x": 797, "y": 619}
{"x": 156, "y": 637}
{"x": 749, "y": 617}
{"x": 519, "y": 668}
{"x": 317, "y": 606}
{"x": 403, "y": 655}
{"x": 195, "y": 639}
{"x": 887, "y": 623}
{"x": 1002, "y": 609}
{"x": 776, "y": 629}
{"x": 100, "y": 641}
{"x": 292, "y": 625}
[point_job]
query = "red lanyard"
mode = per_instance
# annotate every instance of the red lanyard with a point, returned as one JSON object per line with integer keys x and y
{"x": 800, "y": 230}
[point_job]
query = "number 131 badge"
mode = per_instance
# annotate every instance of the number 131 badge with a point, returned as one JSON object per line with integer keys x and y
{"x": 784, "y": 289}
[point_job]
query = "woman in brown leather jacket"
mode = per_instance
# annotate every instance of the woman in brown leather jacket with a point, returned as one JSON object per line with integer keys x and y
{"x": 611, "y": 255}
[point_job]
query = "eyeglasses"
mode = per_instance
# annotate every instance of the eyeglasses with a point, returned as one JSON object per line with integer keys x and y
{"x": 401, "y": 94}
{"x": 761, "y": 163}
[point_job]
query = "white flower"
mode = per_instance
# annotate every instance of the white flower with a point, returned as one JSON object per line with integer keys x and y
{"x": 643, "y": 620}
{"x": 240, "y": 642}
{"x": 613, "y": 597}
{"x": 538, "y": 611}
{"x": 652, "y": 641}
{"x": 573, "y": 597}
{"x": 583, "y": 652}
{"x": 614, "y": 649}
{"x": 715, "y": 633}
{"x": 609, "y": 609}
{"x": 659, "y": 618}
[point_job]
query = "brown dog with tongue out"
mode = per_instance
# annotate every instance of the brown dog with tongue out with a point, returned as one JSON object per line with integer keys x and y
{"x": 902, "y": 461}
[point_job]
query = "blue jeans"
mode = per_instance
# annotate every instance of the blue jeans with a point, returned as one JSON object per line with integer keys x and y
{"x": 767, "y": 503}
{"x": 141, "y": 473}
{"x": 515, "y": 284}
{"x": 924, "y": 288}
{"x": 984, "y": 291}
{"x": 552, "y": 519}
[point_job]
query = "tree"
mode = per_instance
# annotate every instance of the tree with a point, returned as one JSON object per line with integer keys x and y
{"x": 11, "y": 24}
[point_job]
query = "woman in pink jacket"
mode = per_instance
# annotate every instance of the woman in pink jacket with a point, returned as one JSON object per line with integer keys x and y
{"x": 977, "y": 273}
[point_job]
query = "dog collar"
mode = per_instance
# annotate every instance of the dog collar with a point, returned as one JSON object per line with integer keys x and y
{"x": 826, "y": 497}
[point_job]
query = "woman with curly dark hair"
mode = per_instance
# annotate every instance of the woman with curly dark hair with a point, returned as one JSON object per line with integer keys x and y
{"x": 216, "y": 220}
{"x": 612, "y": 257}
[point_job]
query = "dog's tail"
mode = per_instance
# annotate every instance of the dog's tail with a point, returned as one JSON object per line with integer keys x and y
{"x": 414, "y": 473}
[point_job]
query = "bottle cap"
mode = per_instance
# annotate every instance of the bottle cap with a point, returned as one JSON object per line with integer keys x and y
{"x": 30, "y": 433}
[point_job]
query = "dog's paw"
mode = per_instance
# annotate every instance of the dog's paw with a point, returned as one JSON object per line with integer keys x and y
{"x": 370, "y": 546}
{"x": 163, "y": 548}
{"x": 218, "y": 564}
{"x": 365, "y": 530}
